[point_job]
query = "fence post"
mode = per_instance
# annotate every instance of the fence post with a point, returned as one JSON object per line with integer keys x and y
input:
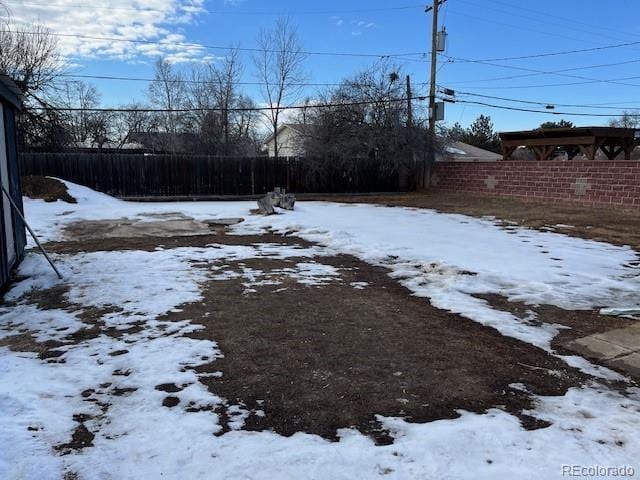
{"x": 253, "y": 176}
{"x": 288, "y": 174}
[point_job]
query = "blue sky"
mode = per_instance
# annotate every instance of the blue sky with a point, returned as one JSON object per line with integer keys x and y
{"x": 478, "y": 30}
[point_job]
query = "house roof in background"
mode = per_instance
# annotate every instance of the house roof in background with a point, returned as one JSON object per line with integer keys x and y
{"x": 464, "y": 151}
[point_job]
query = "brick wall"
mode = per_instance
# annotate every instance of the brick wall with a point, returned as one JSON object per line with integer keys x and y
{"x": 587, "y": 182}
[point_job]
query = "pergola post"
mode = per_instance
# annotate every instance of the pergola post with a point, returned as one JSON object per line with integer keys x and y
{"x": 507, "y": 152}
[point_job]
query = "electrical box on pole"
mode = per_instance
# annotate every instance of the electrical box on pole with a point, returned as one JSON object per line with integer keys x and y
{"x": 441, "y": 40}
{"x": 437, "y": 112}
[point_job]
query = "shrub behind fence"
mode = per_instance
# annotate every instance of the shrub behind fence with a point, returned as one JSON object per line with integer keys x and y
{"x": 139, "y": 175}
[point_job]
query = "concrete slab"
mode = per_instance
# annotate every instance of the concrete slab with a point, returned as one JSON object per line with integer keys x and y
{"x": 593, "y": 346}
{"x": 618, "y": 349}
{"x": 167, "y": 226}
{"x": 628, "y": 338}
{"x": 628, "y": 363}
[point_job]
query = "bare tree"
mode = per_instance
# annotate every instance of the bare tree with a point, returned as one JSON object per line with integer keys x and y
{"x": 223, "y": 119}
{"x": 167, "y": 92}
{"x": 226, "y": 77}
{"x": 31, "y": 58}
{"x": 363, "y": 120}
{"x": 127, "y": 126}
{"x": 214, "y": 87}
{"x": 244, "y": 126}
{"x": 279, "y": 65}
{"x": 365, "y": 116}
{"x": 204, "y": 121}
{"x": 628, "y": 119}
{"x": 4, "y": 13}
{"x": 85, "y": 128}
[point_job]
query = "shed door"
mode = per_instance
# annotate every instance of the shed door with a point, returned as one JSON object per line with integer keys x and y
{"x": 6, "y": 206}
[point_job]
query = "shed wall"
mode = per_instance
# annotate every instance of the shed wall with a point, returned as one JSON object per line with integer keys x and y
{"x": 7, "y": 263}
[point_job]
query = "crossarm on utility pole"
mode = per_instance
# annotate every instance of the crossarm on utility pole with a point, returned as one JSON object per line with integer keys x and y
{"x": 33, "y": 235}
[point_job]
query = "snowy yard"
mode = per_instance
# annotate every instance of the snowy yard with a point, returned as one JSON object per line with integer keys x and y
{"x": 335, "y": 341}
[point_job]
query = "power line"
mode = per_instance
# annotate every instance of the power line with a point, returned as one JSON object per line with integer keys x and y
{"x": 215, "y": 47}
{"x": 564, "y": 24}
{"x": 536, "y": 72}
{"x": 549, "y": 85}
{"x": 197, "y": 82}
{"x": 606, "y": 106}
{"x": 547, "y": 112}
{"x": 516, "y": 27}
{"x": 563, "y": 52}
{"x": 217, "y": 109}
{"x": 565, "y": 20}
{"x": 345, "y": 83}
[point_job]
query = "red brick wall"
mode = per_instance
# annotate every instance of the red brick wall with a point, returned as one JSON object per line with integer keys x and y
{"x": 587, "y": 182}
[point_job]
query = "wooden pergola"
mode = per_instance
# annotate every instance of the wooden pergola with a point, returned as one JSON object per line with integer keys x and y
{"x": 586, "y": 140}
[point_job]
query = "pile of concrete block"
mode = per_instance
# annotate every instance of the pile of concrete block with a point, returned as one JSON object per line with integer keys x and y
{"x": 277, "y": 198}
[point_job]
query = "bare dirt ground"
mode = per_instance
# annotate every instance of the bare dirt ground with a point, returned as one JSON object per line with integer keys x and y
{"x": 46, "y": 189}
{"x": 579, "y": 323}
{"x": 603, "y": 223}
{"x": 318, "y": 358}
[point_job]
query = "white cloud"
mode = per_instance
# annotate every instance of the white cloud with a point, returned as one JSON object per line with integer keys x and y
{"x": 359, "y": 25}
{"x": 152, "y": 20}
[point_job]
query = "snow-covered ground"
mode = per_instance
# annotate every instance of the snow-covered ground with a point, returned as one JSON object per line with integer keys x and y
{"x": 442, "y": 257}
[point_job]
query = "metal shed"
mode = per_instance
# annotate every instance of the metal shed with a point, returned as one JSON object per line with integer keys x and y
{"x": 12, "y": 231}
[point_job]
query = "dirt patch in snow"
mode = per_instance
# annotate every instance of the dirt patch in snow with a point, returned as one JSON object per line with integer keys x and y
{"x": 80, "y": 439}
{"x": 24, "y": 342}
{"x": 45, "y": 188}
{"x": 580, "y": 323}
{"x": 300, "y": 358}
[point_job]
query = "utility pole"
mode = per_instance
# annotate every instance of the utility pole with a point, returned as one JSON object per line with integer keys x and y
{"x": 409, "y": 104}
{"x": 409, "y": 138}
{"x": 432, "y": 86}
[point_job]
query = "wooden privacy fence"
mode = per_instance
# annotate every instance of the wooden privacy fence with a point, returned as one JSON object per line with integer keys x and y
{"x": 139, "y": 175}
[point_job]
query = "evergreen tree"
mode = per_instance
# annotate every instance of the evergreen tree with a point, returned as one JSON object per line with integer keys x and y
{"x": 481, "y": 134}
{"x": 560, "y": 124}
{"x": 456, "y": 133}
{"x": 571, "y": 151}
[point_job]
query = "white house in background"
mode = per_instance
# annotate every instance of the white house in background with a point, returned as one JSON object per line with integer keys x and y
{"x": 291, "y": 138}
{"x": 463, "y": 152}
